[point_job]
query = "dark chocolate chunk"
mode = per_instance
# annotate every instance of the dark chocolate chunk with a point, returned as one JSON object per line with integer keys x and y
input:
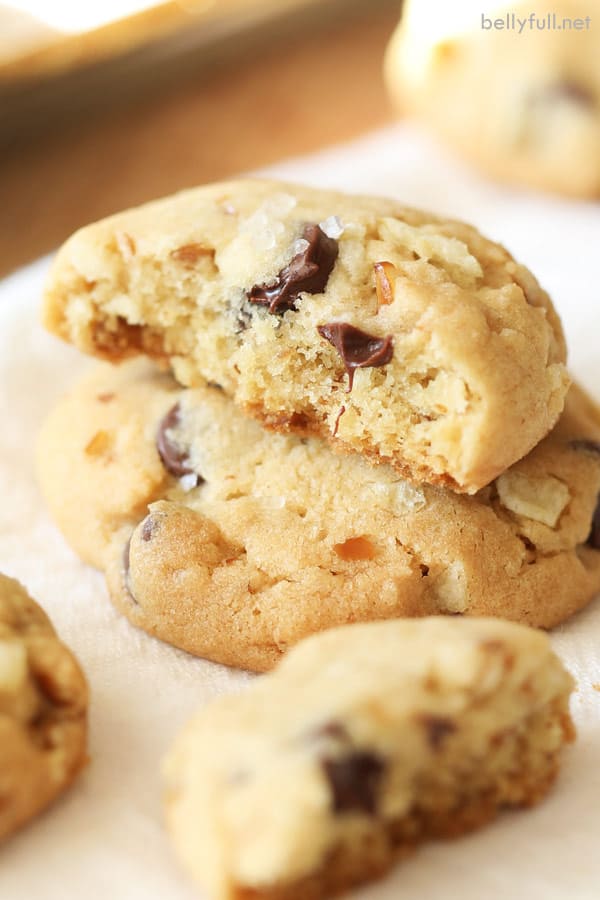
{"x": 307, "y": 273}
{"x": 594, "y": 538}
{"x": 357, "y": 349}
{"x": 437, "y": 728}
{"x": 175, "y": 460}
{"x": 354, "y": 781}
{"x": 586, "y": 445}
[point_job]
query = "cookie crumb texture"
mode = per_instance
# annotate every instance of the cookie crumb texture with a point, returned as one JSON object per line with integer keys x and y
{"x": 364, "y": 742}
{"x": 234, "y": 543}
{"x": 445, "y": 354}
{"x": 43, "y": 710}
{"x": 524, "y": 106}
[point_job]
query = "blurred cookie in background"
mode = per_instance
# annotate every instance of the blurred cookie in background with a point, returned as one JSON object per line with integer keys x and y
{"x": 515, "y": 89}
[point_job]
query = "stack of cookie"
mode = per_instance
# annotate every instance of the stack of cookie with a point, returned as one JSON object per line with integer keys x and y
{"x": 341, "y": 410}
{"x": 361, "y": 412}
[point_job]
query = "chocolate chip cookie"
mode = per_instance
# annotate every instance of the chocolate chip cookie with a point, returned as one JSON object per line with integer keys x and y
{"x": 513, "y": 89}
{"x": 43, "y": 710}
{"x": 234, "y": 543}
{"x": 365, "y": 741}
{"x": 390, "y": 332}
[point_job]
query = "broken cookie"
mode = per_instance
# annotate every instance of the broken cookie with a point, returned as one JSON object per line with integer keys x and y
{"x": 365, "y": 741}
{"x": 445, "y": 354}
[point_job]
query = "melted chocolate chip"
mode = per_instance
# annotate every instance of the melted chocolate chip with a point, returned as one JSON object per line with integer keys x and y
{"x": 175, "y": 460}
{"x": 354, "y": 781}
{"x": 594, "y": 538}
{"x": 337, "y": 421}
{"x": 307, "y": 273}
{"x": 586, "y": 445}
{"x": 357, "y": 349}
{"x": 437, "y": 728}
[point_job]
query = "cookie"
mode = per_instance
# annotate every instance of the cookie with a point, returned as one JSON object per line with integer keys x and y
{"x": 389, "y": 332}
{"x": 234, "y": 543}
{"x": 365, "y": 741}
{"x": 514, "y": 91}
{"x": 43, "y": 710}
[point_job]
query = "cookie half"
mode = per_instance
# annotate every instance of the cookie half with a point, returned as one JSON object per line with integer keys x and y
{"x": 43, "y": 710}
{"x": 234, "y": 543}
{"x": 365, "y": 741}
{"x": 404, "y": 337}
{"x": 513, "y": 89}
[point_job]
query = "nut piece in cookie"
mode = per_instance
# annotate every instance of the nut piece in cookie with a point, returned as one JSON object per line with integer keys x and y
{"x": 43, "y": 710}
{"x": 446, "y": 354}
{"x": 365, "y": 741}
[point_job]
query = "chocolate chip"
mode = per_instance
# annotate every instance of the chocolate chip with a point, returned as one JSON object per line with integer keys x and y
{"x": 437, "y": 729}
{"x": 594, "y": 538}
{"x": 424, "y": 570}
{"x": 148, "y": 528}
{"x": 175, "y": 460}
{"x": 586, "y": 445}
{"x": 307, "y": 273}
{"x": 565, "y": 90}
{"x": 354, "y": 781}
{"x": 357, "y": 349}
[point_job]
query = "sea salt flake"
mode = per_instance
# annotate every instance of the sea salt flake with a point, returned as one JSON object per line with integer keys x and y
{"x": 300, "y": 246}
{"x": 188, "y": 482}
{"x": 332, "y": 227}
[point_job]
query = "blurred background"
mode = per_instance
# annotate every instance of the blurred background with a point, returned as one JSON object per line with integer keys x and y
{"x": 107, "y": 103}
